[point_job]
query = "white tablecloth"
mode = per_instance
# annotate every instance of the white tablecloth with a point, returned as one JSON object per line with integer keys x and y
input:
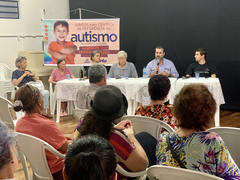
{"x": 214, "y": 87}
{"x": 135, "y": 90}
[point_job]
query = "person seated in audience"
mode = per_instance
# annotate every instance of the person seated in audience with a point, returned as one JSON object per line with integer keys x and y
{"x": 191, "y": 146}
{"x": 99, "y": 121}
{"x": 201, "y": 66}
{"x": 22, "y": 76}
{"x": 60, "y": 73}
{"x": 29, "y": 99}
{"x": 97, "y": 75}
{"x": 158, "y": 88}
{"x": 90, "y": 157}
{"x": 8, "y": 153}
{"x": 123, "y": 68}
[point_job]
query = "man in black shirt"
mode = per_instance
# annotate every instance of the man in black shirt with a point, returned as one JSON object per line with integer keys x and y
{"x": 201, "y": 66}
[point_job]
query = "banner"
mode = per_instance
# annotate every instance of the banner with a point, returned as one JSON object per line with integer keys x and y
{"x": 75, "y": 40}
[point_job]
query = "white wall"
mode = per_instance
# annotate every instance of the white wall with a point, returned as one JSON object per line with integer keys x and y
{"x": 31, "y": 12}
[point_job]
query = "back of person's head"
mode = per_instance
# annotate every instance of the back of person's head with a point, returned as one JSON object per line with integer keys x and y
{"x": 26, "y": 98}
{"x": 94, "y": 53}
{"x": 202, "y": 51}
{"x": 63, "y": 23}
{"x": 19, "y": 60}
{"x": 6, "y": 140}
{"x": 158, "y": 87}
{"x": 96, "y": 73}
{"x": 90, "y": 158}
{"x": 108, "y": 105}
{"x": 194, "y": 107}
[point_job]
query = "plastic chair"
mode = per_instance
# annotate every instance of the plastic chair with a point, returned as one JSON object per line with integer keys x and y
{"x": 5, "y": 114}
{"x": 148, "y": 124}
{"x": 231, "y": 138}
{"x": 33, "y": 149}
{"x": 52, "y": 99}
{"x": 6, "y": 80}
{"x": 159, "y": 172}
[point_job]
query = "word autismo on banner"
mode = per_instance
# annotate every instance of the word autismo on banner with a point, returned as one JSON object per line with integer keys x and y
{"x": 75, "y": 40}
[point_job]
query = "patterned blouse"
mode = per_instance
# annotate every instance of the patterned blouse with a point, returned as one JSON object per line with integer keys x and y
{"x": 200, "y": 151}
{"x": 157, "y": 111}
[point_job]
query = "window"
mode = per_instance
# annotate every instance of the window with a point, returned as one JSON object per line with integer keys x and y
{"x": 9, "y": 9}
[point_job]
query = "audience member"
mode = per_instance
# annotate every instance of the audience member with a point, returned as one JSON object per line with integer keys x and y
{"x": 22, "y": 76}
{"x": 201, "y": 66}
{"x": 123, "y": 68}
{"x": 99, "y": 121}
{"x": 191, "y": 146}
{"x": 158, "y": 88}
{"x": 90, "y": 158}
{"x": 161, "y": 65}
{"x": 8, "y": 154}
{"x": 60, "y": 73}
{"x": 29, "y": 99}
{"x": 97, "y": 75}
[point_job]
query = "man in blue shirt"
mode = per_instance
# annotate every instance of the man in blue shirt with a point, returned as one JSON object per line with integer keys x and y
{"x": 161, "y": 65}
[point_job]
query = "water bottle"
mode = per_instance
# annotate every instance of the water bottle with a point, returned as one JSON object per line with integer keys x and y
{"x": 145, "y": 72}
{"x": 68, "y": 76}
{"x": 81, "y": 73}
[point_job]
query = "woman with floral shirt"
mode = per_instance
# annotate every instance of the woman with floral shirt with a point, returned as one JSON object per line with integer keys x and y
{"x": 158, "y": 87}
{"x": 191, "y": 146}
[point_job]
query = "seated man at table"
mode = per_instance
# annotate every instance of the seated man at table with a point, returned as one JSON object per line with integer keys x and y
{"x": 97, "y": 75}
{"x": 161, "y": 65}
{"x": 201, "y": 66}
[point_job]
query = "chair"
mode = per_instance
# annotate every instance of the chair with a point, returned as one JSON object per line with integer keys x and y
{"x": 148, "y": 124}
{"x": 5, "y": 114}
{"x": 231, "y": 138}
{"x": 158, "y": 172}
{"x": 53, "y": 101}
{"x": 33, "y": 149}
{"x": 6, "y": 80}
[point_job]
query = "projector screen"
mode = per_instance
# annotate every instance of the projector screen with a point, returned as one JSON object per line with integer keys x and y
{"x": 75, "y": 40}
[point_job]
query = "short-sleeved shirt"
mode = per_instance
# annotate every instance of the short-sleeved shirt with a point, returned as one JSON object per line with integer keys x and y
{"x": 128, "y": 71}
{"x": 85, "y": 95}
{"x": 205, "y": 70}
{"x": 58, "y": 76}
{"x": 17, "y": 74}
{"x": 167, "y": 66}
{"x": 200, "y": 151}
{"x": 54, "y": 46}
{"x": 37, "y": 125}
{"x": 157, "y": 111}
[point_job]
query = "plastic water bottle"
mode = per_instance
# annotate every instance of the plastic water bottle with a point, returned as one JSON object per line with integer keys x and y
{"x": 145, "y": 72}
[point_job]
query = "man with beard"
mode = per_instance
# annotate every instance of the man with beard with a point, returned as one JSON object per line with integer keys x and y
{"x": 161, "y": 65}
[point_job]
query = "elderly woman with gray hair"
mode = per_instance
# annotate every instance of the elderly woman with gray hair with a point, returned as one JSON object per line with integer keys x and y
{"x": 22, "y": 76}
{"x": 8, "y": 157}
{"x": 123, "y": 68}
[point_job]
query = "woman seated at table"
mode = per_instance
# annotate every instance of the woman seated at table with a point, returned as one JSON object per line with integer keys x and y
{"x": 123, "y": 69}
{"x": 90, "y": 157}
{"x": 191, "y": 146}
{"x": 60, "y": 73}
{"x": 158, "y": 88}
{"x": 8, "y": 154}
{"x": 22, "y": 76}
{"x": 99, "y": 121}
{"x": 29, "y": 99}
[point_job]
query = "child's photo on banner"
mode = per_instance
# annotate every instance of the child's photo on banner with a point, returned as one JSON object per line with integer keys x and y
{"x": 75, "y": 40}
